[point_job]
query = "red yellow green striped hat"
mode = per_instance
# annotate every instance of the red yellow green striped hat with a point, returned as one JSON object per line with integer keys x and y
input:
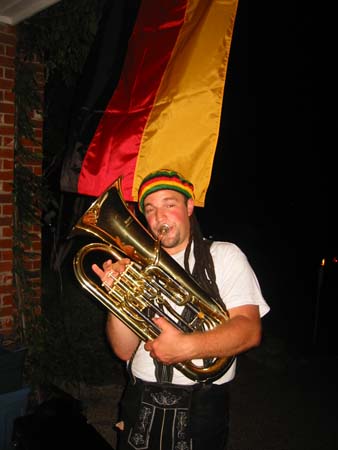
{"x": 164, "y": 179}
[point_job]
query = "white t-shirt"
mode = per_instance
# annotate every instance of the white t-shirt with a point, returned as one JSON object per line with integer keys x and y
{"x": 237, "y": 284}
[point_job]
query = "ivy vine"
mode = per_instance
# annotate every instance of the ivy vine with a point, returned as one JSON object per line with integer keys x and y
{"x": 60, "y": 38}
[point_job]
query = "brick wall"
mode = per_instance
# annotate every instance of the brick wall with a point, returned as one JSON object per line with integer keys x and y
{"x": 7, "y": 129}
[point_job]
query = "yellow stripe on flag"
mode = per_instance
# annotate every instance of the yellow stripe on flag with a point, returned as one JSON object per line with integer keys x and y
{"x": 183, "y": 127}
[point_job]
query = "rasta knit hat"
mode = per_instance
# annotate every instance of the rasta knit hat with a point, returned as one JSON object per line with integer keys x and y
{"x": 164, "y": 179}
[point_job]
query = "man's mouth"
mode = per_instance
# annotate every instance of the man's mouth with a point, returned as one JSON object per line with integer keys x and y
{"x": 163, "y": 229}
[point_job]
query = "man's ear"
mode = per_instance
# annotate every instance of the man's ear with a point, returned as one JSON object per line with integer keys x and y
{"x": 190, "y": 206}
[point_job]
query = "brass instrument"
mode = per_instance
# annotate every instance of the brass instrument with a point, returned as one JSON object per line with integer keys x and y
{"x": 151, "y": 283}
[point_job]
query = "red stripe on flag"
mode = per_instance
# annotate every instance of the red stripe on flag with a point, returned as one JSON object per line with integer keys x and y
{"x": 114, "y": 148}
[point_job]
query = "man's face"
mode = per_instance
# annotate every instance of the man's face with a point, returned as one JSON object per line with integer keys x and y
{"x": 173, "y": 209}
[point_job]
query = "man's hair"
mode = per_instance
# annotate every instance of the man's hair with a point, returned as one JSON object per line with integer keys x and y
{"x": 204, "y": 269}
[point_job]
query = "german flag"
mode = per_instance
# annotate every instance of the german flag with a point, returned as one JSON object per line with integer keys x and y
{"x": 166, "y": 108}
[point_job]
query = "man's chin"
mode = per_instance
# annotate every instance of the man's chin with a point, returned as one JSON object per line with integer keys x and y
{"x": 168, "y": 243}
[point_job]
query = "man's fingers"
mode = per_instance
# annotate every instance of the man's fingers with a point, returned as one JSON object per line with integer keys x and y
{"x": 97, "y": 270}
{"x": 107, "y": 264}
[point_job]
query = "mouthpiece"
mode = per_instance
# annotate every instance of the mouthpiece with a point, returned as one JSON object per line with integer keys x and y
{"x": 164, "y": 228}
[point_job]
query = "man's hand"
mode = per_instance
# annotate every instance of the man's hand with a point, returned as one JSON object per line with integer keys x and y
{"x": 110, "y": 270}
{"x": 171, "y": 346}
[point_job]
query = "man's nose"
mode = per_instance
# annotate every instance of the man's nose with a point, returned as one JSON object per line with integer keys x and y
{"x": 160, "y": 214}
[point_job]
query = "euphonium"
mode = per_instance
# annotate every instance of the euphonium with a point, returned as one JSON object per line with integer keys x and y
{"x": 152, "y": 283}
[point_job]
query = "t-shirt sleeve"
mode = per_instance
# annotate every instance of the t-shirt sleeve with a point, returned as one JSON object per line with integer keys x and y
{"x": 236, "y": 280}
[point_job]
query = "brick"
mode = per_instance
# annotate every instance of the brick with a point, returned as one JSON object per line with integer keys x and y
{"x": 6, "y": 255}
{"x": 7, "y": 301}
{"x": 7, "y": 130}
{"x": 38, "y": 133}
{"x": 36, "y": 245}
{"x": 8, "y": 308}
{"x": 6, "y": 277}
{"x": 6, "y": 84}
{"x": 26, "y": 142}
{"x": 8, "y": 119}
{"x": 7, "y": 232}
{"x": 6, "y": 244}
{"x": 7, "y": 108}
{"x": 6, "y": 175}
{"x": 9, "y": 96}
{"x": 6, "y": 198}
{"x": 8, "y": 164}
{"x": 5, "y": 222}
{"x": 6, "y": 289}
{"x": 6, "y": 324}
{"x": 9, "y": 73}
{"x": 7, "y": 153}
{"x": 8, "y": 209}
{"x": 10, "y": 51}
{"x": 6, "y": 266}
{"x": 7, "y": 187}
{"x": 8, "y": 38}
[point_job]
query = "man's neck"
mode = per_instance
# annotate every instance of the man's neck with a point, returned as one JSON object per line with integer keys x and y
{"x": 175, "y": 250}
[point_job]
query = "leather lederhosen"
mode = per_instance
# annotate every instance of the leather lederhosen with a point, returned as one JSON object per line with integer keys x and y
{"x": 166, "y": 416}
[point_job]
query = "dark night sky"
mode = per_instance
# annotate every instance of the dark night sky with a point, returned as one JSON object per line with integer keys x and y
{"x": 269, "y": 192}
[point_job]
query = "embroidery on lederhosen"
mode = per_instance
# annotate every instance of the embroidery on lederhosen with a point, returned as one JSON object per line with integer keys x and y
{"x": 139, "y": 435}
{"x": 181, "y": 438}
{"x": 173, "y": 405}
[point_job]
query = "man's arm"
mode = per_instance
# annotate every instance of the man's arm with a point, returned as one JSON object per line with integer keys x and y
{"x": 121, "y": 338}
{"x": 241, "y": 332}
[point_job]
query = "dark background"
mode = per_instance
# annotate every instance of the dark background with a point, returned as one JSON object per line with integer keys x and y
{"x": 270, "y": 192}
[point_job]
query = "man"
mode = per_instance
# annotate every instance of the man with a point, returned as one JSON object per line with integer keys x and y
{"x": 161, "y": 407}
